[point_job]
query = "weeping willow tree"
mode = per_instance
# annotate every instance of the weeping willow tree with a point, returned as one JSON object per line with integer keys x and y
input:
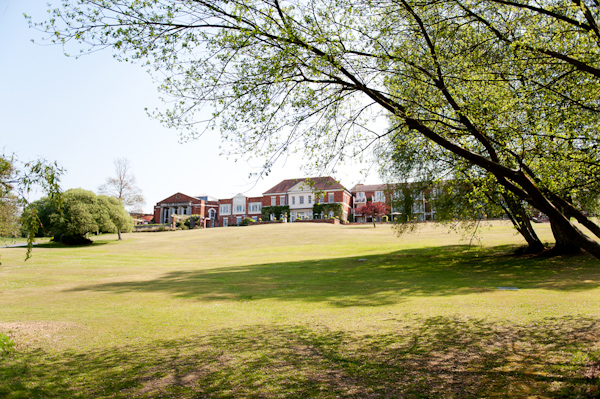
{"x": 17, "y": 179}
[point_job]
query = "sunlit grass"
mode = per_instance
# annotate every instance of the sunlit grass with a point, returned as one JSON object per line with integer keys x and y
{"x": 300, "y": 310}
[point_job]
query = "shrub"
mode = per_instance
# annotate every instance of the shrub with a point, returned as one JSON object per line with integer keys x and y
{"x": 246, "y": 222}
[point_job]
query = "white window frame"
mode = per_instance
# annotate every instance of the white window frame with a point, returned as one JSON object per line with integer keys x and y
{"x": 301, "y": 200}
{"x": 379, "y": 197}
{"x": 310, "y": 199}
{"x": 293, "y": 200}
{"x": 273, "y": 201}
{"x": 225, "y": 209}
{"x": 361, "y": 197}
{"x": 282, "y": 200}
{"x": 330, "y": 198}
{"x": 225, "y": 222}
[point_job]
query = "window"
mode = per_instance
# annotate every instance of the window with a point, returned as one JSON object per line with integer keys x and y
{"x": 211, "y": 213}
{"x": 379, "y": 197}
{"x": 282, "y": 200}
{"x": 225, "y": 209}
{"x": 225, "y": 222}
{"x": 254, "y": 207}
{"x": 310, "y": 199}
{"x": 360, "y": 197}
{"x": 238, "y": 219}
{"x": 301, "y": 199}
{"x": 330, "y": 200}
{"x": 239, "y": 208}
{"x": 293, "y": 200}
{"x": 273, "y": 201}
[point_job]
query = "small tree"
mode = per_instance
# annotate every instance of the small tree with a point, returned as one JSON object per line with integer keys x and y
{"x": 123, "y": 187}
{"x": 16, "y": 181}
{"x": 373, "y": 209}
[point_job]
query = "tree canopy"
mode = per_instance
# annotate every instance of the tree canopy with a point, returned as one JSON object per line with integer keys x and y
{"x": 510, "y": 87}
{"x": 81, "y": 212}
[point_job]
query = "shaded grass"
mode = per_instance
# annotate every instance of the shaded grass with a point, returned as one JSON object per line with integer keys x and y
{"x": 299, "y": 311}
{"x": 432, "y": 357}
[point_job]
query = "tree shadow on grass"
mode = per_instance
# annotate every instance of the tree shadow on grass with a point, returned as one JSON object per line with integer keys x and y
{"x": 373, "y": 280}
{"x": 59, "y": 245}
{"x": 431, "y": 357}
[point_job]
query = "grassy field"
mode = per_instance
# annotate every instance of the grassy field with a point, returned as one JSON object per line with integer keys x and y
{"x": 300, "y": 311}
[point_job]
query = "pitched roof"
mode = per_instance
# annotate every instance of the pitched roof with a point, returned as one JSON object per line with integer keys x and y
{"x": 368, "y": 187}
{"x": 319, "y": 183}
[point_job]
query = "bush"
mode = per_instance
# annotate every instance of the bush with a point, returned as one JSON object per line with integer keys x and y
{"x": 246, "y": 222}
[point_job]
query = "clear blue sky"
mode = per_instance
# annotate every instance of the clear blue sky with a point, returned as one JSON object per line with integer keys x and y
{"x": 86, "y": 112}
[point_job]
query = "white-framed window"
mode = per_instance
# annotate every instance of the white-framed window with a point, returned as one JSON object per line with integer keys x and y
{"x": 293, "y": 200}
{"x": 211, "y": 213}
{"x": 301, "y": 199}
{"x": 225, "y": 222}
{"x": 379, "y": 197}
{"x": 310, "y": 199}
{"x": 360, "y": 197}
{"x": 238, "y": 220}
{"x": 273, "y": 201}
{"x": 254, "y": 207}
{"x": 330, "y": 198}
{"x": 225, "y": 209}
{"x": 282, "y": 200}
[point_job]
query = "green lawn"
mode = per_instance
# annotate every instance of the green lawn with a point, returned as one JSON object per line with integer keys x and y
{"x": 300, "y": 310}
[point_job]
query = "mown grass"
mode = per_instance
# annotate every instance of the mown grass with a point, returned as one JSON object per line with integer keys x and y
{"x": 289, "y": 311}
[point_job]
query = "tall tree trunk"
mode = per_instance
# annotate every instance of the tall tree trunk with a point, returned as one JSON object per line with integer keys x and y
{"x": 119, "y": 233}
{"x": 518, "y": 216}
{"x": 564, "y": 244}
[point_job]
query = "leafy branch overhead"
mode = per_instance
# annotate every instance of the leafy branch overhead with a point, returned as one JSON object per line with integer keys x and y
{"x": 508, "y": 88}
{"x": 17, "y": 180}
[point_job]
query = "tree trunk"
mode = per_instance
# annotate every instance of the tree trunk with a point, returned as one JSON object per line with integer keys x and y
{"x": 119, "y": 233}
{"x": 564, "y": 244}
{"x": 520, "y": 220}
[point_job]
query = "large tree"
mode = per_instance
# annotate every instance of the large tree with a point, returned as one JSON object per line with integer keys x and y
{"x": 81, "y": 212}
{"x": 313, "y": 75}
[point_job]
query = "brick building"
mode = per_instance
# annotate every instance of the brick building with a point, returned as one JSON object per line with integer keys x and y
{"x": 302, "y": 194}
{"x": 181, "y": 204}
{"x": 402, "y": 198}
{"x": 234, "y": 210}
